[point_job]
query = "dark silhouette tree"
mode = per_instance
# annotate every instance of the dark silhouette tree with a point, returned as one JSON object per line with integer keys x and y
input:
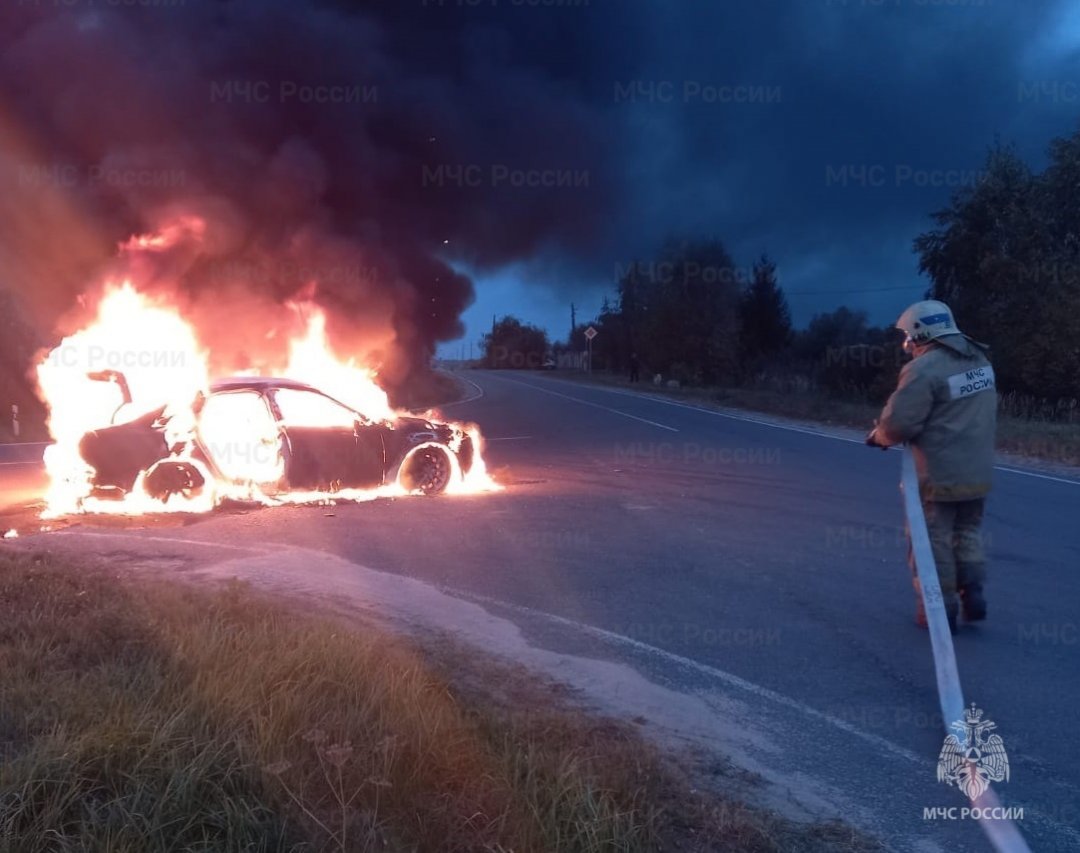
{"x": 512, "y": 344}
{"x": 840, "y": 328}
{"x": 679, "y": 314}
{"x": 765, "y": 319}
{"x": 1005, "y": 255}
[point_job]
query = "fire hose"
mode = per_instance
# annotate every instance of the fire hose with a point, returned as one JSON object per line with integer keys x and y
{"x": 1003, "y": 834}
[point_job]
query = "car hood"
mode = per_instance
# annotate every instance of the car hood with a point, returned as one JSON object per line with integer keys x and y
{"x": 411, "y": 426}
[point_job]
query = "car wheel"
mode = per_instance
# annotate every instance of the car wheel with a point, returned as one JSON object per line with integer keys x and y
{"x": 427, "y": 470}
{"x": 172, "y": 477}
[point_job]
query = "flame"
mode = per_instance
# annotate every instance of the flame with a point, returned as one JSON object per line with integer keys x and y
{"x": 167, "y": 237}
{"x": 160, "y": 359}
{"x": 477, "y": 479}
{"x": 143, "y": 345}
{"x": 311, "y": 361}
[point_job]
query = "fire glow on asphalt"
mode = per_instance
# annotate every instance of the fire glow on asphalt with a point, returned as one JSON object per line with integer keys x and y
{"x": 146, "y": 338}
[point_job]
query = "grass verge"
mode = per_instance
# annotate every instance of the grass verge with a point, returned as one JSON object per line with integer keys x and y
{"x": 1047, "y": 441}
{"x": 141, "y": 715}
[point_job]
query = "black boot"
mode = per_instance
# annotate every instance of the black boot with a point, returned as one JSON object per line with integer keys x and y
{"x": 974, "y": 604}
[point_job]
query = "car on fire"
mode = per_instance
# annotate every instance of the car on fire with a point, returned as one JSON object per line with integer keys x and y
{"x": 279, "y": 436}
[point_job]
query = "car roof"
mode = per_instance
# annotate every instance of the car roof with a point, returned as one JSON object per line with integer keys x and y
{"x": 268, "y": 383}
{"x": 258, "y": 383}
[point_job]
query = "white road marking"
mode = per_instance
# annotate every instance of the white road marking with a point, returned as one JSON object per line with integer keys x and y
{"x": 1037, "y": 476}
{"x": 587, "y": 403}
{"x": 718, "y": 674}
{"x": 479, "y": 393}
{"x": 618, "y": 639}
{"x": 642, "y": 396}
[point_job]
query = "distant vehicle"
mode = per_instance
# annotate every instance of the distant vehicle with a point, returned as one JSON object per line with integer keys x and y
{"x": 549, "y": 363}
{"x": 280, "y": 435}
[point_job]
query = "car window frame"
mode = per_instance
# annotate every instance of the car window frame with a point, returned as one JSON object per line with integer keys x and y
{"x": 358, "y": 420}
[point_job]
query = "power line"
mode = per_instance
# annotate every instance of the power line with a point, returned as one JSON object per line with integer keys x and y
{"x": 790, "y": 293}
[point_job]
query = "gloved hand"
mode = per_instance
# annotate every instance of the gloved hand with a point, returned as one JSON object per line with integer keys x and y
{"x": 872, "y": 440}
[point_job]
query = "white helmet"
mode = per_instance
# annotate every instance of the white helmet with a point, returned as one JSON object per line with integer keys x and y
{"x": 925, "y": 321}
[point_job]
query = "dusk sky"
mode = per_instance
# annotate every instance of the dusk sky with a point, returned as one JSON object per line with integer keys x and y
{"x": 536, "y": 147}
{"x": 824, "y": 133}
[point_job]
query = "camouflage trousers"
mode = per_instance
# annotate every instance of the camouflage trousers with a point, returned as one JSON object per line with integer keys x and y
{"x": 957, "y": 544}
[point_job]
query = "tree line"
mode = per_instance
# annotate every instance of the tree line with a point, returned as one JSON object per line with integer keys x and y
{"x": 1004, "y": 254}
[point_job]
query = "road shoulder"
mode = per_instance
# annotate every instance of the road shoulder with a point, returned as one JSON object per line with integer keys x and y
{"x": 1024, "y": 462}
{"x": 710, "y": 759}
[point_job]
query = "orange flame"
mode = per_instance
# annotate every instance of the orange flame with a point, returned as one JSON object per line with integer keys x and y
{"x": 160, "y": 358}
{"x": 311, "y": 361}
{"x": 157, "y": 351}
{"x": 167, "y": 237}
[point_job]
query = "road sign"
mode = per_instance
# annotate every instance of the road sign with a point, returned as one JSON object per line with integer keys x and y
{"x": 590, "y": 333}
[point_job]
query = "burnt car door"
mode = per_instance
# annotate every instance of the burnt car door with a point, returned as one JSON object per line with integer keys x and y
{"x": 327, "y": 444}
{"x": 240, "y": 435}
{"x": 118, "y": 453}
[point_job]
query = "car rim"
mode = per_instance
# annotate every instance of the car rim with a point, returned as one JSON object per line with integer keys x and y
{"x": 432, "y": 471}
{"x": 188, "y": 482}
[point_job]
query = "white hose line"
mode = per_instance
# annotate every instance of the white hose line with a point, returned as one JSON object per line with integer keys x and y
{"x": 1003, "y": 834}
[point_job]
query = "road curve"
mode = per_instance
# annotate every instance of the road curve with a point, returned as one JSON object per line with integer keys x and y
{"x": 751, "y": 564}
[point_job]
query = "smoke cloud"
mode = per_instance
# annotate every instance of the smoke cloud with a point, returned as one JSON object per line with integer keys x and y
{"x": 348, "y": 152}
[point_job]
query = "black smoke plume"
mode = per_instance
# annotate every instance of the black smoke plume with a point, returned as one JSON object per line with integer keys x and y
{"x": 352, "y": 151}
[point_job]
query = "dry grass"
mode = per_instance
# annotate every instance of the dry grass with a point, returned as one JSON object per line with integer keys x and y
{"x": 1051, "y": 442}
{"x": 148, "y": 716}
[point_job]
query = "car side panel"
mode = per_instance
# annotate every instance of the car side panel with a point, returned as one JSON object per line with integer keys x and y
{"x": 322, "y": 458}
{"x": 119, "y": 453}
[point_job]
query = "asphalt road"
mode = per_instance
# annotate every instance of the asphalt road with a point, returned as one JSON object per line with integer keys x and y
{"x": 733, "y": 559}
{"x": 22, "y": 475}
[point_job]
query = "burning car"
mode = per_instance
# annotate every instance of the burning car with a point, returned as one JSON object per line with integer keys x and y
{"x": 270, "y": 437}
{"x": 138, "y": 425}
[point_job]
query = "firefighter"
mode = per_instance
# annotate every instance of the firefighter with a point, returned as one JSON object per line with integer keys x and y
{"x": 945, "y": 407}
